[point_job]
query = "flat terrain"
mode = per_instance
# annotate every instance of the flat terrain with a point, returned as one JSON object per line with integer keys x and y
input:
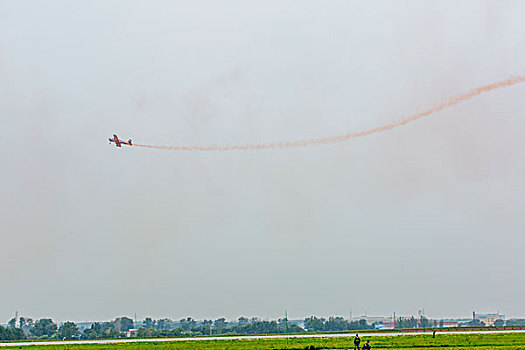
{"x": 478, "y": 341}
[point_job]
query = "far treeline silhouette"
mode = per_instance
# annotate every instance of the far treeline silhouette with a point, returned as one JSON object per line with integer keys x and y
{"x": 45, "y": 328}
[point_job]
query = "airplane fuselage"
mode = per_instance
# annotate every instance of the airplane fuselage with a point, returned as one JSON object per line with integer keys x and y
{"x": 119, "y": 142}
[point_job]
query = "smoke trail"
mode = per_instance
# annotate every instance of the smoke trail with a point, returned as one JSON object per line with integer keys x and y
{"x": 451, "y": 101}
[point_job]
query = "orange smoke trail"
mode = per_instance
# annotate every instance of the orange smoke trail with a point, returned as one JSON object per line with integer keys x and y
{"x": 451, "y": 101}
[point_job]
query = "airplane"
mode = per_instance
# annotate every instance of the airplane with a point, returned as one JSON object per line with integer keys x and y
{"x": 118, "y": 142}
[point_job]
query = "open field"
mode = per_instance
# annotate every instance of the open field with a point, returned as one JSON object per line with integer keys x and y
{"x": 483, "y": 341}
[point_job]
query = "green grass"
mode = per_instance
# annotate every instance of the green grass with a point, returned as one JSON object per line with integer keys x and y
{"x": 442, "y": 341}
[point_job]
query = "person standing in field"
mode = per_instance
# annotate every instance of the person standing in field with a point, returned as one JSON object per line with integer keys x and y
{"x": 357, "y": 340}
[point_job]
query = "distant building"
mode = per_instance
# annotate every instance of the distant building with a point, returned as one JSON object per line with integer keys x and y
{"x": 450, "y": 323}
{"x": 380, "y": 322}
{"x": 388, "y": 324}
{"x": 131, "y": 332}
{"x": 372, "y": 319}
{"x": 488, "y": 319}
{"x": 455, "y": 322}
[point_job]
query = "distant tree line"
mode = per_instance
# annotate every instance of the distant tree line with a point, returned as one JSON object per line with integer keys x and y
{"x": 314, "y": 324}
{"x": 45, "y": 328}
{"x": 412, "y": 322}
{"x": 515, "y": 322}
{"x": 191, "y": 327}
{"x": 11, "y": 333}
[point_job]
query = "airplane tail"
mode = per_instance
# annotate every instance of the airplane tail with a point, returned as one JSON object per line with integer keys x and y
{"x": 129, "y": 142}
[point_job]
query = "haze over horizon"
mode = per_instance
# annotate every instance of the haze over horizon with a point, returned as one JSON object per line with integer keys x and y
{"x": 428, "y": 215}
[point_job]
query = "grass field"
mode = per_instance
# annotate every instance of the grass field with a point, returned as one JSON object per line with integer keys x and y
{"x": 452, "y": 341}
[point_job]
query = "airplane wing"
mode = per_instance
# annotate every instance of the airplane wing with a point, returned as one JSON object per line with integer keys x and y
{"x": 117, "y": 141}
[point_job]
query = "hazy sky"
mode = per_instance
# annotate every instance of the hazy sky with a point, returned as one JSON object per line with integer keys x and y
{"x": 429, "y": 215}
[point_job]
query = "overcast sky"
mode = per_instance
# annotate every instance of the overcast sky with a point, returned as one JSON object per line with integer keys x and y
{"x": 429, "y": 215}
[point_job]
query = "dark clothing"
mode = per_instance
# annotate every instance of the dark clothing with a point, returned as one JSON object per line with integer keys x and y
{"x": 357, "y": 340}
{"x": 366, "y": 346}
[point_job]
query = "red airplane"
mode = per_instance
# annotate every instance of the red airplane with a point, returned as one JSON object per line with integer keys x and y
{"x": 118, "y": 142}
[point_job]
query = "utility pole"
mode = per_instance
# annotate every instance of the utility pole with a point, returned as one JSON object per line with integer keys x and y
{"x": 394, "y": 320}
{"x": 16, "y": 319}
{"x": 286, "y": 325}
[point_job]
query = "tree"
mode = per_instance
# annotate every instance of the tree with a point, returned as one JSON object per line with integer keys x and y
{"x": 361, "y": 324}
{"x": 146, "y": 333}
{"x": 475, "y": 323}
{"x": 11, "y": 323}
{"x": 68, "y": 330}
{"x": 314, "y": 324}
{"x": 11, "y": 334}
{"x": 220, "y": 323}
{"x": 148, "y": 323}
{"x": 336, "y": 324}
{"x": 499, "y": 323}
{"x": 44, "y": 327}
{"x": 516, "y": 322}
{"x": 123, "y": 324}
{"x": 164, "y": 323}
{"x": 406, "y": 322}
{"x": 26, "y": 324}
{"x": 187, "y": 324}
{"x": 101, "y": 330}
